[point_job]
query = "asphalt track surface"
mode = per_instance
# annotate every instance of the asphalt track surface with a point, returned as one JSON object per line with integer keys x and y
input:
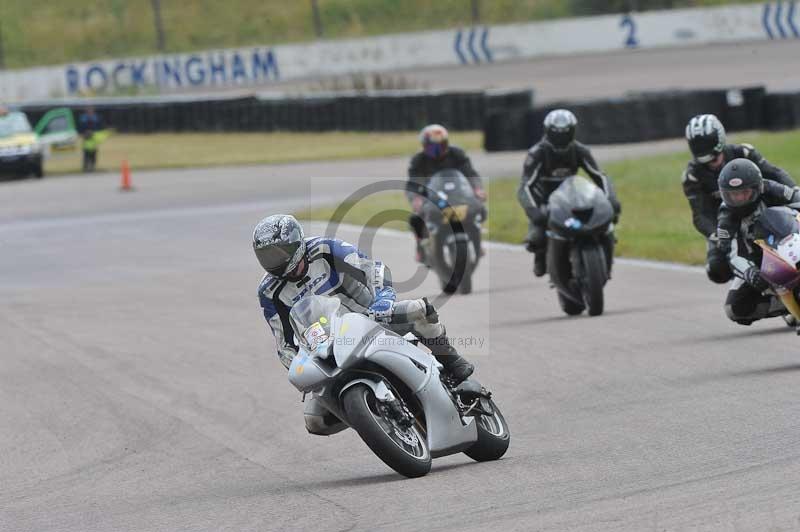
{"x": 613, "y": 74}
{"x": 139, "y": 389}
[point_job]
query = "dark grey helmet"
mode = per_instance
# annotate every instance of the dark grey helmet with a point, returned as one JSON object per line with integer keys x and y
{"x": 706, "y": 137}
{"x": 559, "y": 129}
{"x": 279, "y": 244}
{"x": 741, "y": 185}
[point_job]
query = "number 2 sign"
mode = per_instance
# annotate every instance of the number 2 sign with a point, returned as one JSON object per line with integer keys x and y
{"x": 627, "y": 23}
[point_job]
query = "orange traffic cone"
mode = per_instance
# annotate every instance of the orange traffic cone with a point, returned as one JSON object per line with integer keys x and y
{"x": 125, "y": 186}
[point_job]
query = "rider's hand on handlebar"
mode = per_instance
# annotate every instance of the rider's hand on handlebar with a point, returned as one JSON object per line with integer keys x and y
{"x": 416, "y": 204}
{"x": 480, "y": 193}
{"x": 753, "y": 277}
{"x": 382, "y": 308}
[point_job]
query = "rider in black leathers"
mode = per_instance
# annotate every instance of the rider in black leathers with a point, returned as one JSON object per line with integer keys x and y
{"x": 437, "y": 154}
{"x": 549, "y": 162}
{"x": 707, "y": 142}
{"x": 745, "y": 194}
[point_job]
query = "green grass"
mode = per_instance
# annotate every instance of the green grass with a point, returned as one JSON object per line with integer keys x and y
{"x": 40, "y": 32}
{"x": 175, "y": 150}
{"x": 656, "y": 220}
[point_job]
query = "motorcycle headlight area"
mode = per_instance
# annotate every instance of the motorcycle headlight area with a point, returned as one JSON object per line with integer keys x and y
{"x": 316, "y": 340}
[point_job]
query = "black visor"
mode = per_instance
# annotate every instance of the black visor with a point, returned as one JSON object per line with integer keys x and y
{"x": 275, "y": 257}
{"x": 705, "y": 148}
{"x": 561, "y": 138}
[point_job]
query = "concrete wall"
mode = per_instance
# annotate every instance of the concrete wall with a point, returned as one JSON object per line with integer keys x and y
{"x": 261, "y": 66}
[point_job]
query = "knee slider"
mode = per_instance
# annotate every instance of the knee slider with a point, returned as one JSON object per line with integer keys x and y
{"x": 719, "y": 274}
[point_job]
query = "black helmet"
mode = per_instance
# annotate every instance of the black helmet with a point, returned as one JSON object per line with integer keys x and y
{"x": 741, "y": 185}
{"x": 706, "y": 136}
{"x": 280, "y": 245}
{"x": 559, "y": 129}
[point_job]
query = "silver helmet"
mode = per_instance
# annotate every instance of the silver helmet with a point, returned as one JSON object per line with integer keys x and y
{"x": 279, "y": 244}
{"x": 559, "y": 128}
{"x": 706, "y": 137}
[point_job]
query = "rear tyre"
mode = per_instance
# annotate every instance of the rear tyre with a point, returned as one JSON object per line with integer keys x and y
{"x": 594, "y": 278}
{"x": 404, "y": 450}
{"x": 493, "y": 436}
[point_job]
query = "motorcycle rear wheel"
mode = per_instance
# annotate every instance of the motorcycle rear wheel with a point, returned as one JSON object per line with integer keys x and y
{"x": 404, "y": 450}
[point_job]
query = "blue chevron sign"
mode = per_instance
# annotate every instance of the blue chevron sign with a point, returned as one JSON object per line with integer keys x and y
{"x": 468, "y": 50}
{"x": 778, "y": 19}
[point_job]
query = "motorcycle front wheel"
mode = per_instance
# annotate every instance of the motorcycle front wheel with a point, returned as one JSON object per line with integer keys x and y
{"x": 459, "y": 277}
{"x": 594, "y": 278}
{"x": 493, "y": 436}
{"x": 403, "y": 449}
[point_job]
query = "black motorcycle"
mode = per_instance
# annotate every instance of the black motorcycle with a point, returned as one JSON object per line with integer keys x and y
{"x": 453, "y": 215}
{"x": 580, "y": 245}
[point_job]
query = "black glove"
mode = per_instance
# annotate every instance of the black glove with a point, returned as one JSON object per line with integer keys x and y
{"x": 616, "y": 205}
{"x": 753, "y": 277}
{"x": 539, "y": 215}
{"x": 430, "y": 312}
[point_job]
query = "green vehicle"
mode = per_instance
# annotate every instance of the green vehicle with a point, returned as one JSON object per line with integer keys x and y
{"x": 24, "y": 149}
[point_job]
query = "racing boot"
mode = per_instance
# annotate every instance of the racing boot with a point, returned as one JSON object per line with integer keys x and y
{"x": 540, "y": 263}
{"x": 421, "y": 257}
{"x": 458, "y": 367}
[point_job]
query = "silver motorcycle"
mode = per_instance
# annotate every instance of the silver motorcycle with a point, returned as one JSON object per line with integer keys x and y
{"x": 390, "y": 390}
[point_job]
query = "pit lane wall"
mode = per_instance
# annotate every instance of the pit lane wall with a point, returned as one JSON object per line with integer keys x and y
{"x": 469, "y": 47}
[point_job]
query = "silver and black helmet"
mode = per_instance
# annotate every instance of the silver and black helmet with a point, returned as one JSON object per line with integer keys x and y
{"x": 706, "y": 137}
{"x": 279, "y": 244}
{"x": 559, "y": 128}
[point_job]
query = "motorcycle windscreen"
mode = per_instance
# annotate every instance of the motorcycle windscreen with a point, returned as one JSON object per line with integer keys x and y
{"x": 775, "y": 224}
{"x": 453, "y": 185}
{"x": 579, "y": 203}
{"x": 311, "y": 320}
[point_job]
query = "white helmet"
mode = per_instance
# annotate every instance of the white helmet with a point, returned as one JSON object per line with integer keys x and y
{"x": 434, "y": 140}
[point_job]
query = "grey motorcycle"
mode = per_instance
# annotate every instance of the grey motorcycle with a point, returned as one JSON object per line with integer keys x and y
{"x": 390, "y": 390}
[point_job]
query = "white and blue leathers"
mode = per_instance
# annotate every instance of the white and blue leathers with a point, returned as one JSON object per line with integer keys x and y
{"x": 336, "y": 268}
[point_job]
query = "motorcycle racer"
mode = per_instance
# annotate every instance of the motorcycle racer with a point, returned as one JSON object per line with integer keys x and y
{"x": 549, "y": 162}
{"x": 437, "y": 154}
{"x": 745, "y": 194}
{"x": 297, "y": 267}
{"x": 707, "y": 141}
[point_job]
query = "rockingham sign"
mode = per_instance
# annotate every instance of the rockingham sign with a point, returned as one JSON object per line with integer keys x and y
{"x": 237, "y": 67}
{"x": 261, "y": 66}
